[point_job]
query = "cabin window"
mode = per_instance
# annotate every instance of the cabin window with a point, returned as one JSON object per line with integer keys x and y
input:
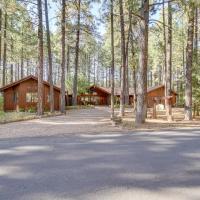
{"x": 15, "y": 97}
{"x": 31, "y": 97}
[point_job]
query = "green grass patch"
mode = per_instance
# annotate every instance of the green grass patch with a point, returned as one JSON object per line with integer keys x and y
{"x": 1, "y": 103}
{"x": 6, "y": 117}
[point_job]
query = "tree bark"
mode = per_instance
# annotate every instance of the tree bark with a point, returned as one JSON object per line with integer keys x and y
{"x": 22, "y": 62}
{"x": 88, "y": 71}
{"x": 68, "y": 72}
{"x": 164, "y": 42}
{"x": 63, "y": 21}
{"x": 51, "y": 94}
{"x": 134, "y": 72}
{"x": 5, "y": 48}
{"x": 94, "y": 78}
{"x": 0, "y": 33}
{"x": 123, "y": 64}
{"x": 168, "y": 71}
{"x": 196, "y": 32}
{"x": 189, "y": 61}
{"x": 77, "y": 54}
{"x": 112, "y": 61}
{"x": 40, "y": 109}
{"x": 68, "y": 60}
{"x": 127, "y": 62}
{"x": 141, "y": 106}
{"x": 11, "y": 66}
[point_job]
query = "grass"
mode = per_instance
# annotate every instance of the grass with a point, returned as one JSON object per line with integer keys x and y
{"x": 6, "y": 117}
{"x": 1, "y": 103}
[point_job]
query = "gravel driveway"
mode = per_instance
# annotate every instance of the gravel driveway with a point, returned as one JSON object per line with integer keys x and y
{"x": 74, "y": 122}
{"x": 46, "y": 160}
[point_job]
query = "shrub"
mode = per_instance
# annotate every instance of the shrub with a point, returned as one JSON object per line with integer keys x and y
{"x": 32, "y": 110}
{"x": 21, "y": 110}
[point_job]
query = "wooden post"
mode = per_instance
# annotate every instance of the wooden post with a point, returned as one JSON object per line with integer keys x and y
{"x": 169, "y": 113}
{"x": 154, "y": 109}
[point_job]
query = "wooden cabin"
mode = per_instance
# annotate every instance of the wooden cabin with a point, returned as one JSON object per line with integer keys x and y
{"x": 22, "y": 95}
{"x": 97, "y": 95}
{"x": 157, "y": 94}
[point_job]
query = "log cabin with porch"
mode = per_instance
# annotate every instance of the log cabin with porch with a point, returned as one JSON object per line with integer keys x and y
{"x": 22, "y": 95}
{"x": 97, "y": 95}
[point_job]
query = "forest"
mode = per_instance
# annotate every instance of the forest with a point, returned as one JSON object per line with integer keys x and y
{"x": 111, "y": 43}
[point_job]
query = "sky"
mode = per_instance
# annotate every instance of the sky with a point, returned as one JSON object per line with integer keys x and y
{"x": 53, "y": 10}
{"x": 96, "y": 7}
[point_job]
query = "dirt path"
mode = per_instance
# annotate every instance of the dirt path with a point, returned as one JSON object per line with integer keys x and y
{"x": 74, "y": 122}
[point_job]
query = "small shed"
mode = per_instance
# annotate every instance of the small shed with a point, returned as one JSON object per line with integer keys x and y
{"x": 22, "y": 95}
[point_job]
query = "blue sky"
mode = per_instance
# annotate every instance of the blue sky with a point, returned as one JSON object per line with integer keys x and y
{"x": 54, "y": 7}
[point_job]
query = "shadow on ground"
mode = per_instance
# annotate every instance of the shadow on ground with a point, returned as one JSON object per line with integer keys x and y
{"x": 143, "y": 165}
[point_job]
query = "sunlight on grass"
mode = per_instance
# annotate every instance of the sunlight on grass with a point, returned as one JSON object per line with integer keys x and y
{"x": 15, "y": 116}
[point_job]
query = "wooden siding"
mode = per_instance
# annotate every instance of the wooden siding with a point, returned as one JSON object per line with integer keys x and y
{"x": 95, "y": 96}
{"x": 104, "y": 96}
{"x": 28, "y": 86}
{"x": 159, "y": 93}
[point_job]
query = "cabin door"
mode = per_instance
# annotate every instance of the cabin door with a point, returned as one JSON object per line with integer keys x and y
{"x": 16, "y": 100}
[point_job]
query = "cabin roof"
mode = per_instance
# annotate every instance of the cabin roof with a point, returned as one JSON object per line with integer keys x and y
{"x": 131, "y": 90}
{"x": 25, "y": 79}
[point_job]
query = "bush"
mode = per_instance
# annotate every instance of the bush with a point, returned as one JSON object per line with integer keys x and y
{"x": 32, "y": 110}
{"x": 2, "y": 113}
{"x": 21, "y": 110}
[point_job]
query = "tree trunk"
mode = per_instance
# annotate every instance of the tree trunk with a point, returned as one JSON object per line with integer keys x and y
{"x": 89, "y": 62}
{"x": 123, "y": 64}
{"x": 77, "y": 54}
{"x": 168, "y": 70}
{"x": 22, "y": 62}
{"x": 62, "y": 103}
{"x": 189, "y": 60}
{"x": 0, "y": 32}
{"x": 51, "y": 94}
{"x": 68, "y": 60}
{"x": 112, "y": 61}
{"x": 11, "y": 66}
{"x": 127, "y": 63}
{"x": 94, "y": 79}
{"x": 40, "y": 59}
{"x": 68, "y": 71}
{"x": 5, "y": 49}
{"x": 196, "y": 33}
{"x": 141, "y": 107}
{"x": 134, "y": 73}
{"x": 164, "y": 42}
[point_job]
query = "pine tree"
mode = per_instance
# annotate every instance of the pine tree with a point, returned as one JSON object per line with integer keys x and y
{"x": 63, "y": 24}
{"x": 141, "y": 106}
{"x": 40, "y": 109}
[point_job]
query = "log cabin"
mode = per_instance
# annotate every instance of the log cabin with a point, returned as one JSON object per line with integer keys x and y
{"x": 22, "y": 95}
{"x": 97, "y": 95}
